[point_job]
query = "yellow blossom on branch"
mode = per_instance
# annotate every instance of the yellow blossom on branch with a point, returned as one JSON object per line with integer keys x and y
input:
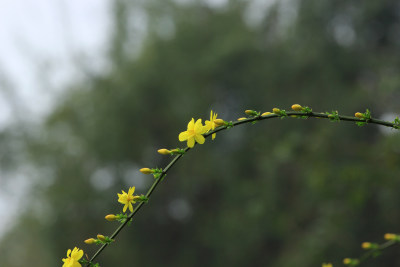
{"x": 194, "y": 133}
{"x": 73, "y": 258}
{"x": 210, "y": 125}
{"x": 128, "y": 199}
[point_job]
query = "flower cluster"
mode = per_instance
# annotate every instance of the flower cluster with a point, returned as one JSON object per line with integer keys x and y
{"x": 195, "y": 130}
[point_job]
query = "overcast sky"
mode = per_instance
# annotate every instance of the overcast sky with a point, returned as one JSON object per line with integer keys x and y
{"x": 41, "y": 38}
{"x": 38, "y": 39}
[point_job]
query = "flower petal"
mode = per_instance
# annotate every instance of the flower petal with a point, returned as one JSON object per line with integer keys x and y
{"x": 183, "y": 136}
{"x": 208, "y": 125}
{"x": 131, "y": 190}
{"x": 130, "y": 207}
{"x": 199, "y": 128}
{"x": 190, "y": 142}
{"x": 199, "y": 138}
{"x": 213, "y": 136}
{"x": 191, "y": 124}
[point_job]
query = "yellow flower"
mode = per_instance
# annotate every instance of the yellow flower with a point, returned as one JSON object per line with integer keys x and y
{"x": 210, "y": 125}
{"x": 73, "y": 258}
{"x": 193, "y": 133}
{"x": 127, "y": 199}
{"x": 327, "y": 265}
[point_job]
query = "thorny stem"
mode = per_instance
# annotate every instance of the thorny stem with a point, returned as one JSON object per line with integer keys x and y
{"x": 290, "y": 114}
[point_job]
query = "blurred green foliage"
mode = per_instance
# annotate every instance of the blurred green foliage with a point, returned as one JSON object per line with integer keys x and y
{"x": 279, "y": 193}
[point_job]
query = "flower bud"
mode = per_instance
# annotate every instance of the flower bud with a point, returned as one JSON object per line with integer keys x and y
{"x": 90, "y": 241}
{"x": 347, "y": 261}
{"x": 111, "y": 217}
{"x": 266, "y": 113}
{"x": 359, "y": 115}
{"x": 250, "y": 112}
{"x": 297, "y": 107}
{"x": 276, "y": 111}
{"x": 366, "y": 245}
{"x": 101, "y": 238}
{"x": 164, "y": 151}
{"x": 241, "y": 119}
{"x": 389, "y": 236}
{"x": 219, "y": 122}
{"x": 146, "y": 170}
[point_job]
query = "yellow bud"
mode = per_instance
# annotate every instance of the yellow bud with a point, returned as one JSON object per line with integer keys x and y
{"x": 359, "y": 115}
{"x": 266, "y": 113}
{"x": 276, "y": 111}
{"x": 164, "y": 151}
{"x": 101, "y": 237}
{"x": 240, "y": 119}
{"x": 297, "y": 107}
{"x": 327, "y": 265}
{"x": 250, "y": 112}
{"x": 111, "y": 217}
{"x": 346, "y": 261}
{"x": 366, "y": 245}
{"x": 146, "y": 170}
{"x": 90, "y": 241}
{"x": 219, "y": 122}
{"x": 389, "y": 236}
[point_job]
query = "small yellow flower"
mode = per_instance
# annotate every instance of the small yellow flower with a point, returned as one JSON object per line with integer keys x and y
{"x": 389, "y": 236}
{"x": 327, "y": 265}
{"x": 164, "y": 151}
{"x": 111, "y": 217}
{"x": 297, "y": 107}
{"x": 243, "y": 118}
{"x": 210, "y": 125}
{"x": 359, "y": 115}
{"x": 90, "y": 241}
{"x": 194, "y": 133}
{"x": 366, "y": 245}
{"x": 127, "y": 198}
{"x": 146, "y": 170}
{"x": 73, "y": 258}
{"x": 266, "y": 113}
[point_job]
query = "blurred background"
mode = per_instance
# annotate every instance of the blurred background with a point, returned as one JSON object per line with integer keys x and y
{"x": 89, "y": 90}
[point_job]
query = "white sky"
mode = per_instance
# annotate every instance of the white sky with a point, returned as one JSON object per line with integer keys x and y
{"x": 42, "y": 35}
{"x": 43, "y": 38}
